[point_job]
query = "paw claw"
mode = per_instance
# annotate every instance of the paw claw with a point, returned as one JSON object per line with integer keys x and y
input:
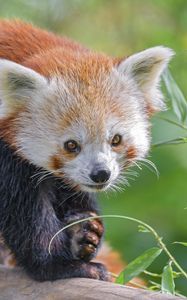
{"x": 96, "y": 227}
{"x": 92, "y": 238}
{"x": 99, "y": 271}
{"x": 87, "y": 251}
{"x": 85, "y": 237}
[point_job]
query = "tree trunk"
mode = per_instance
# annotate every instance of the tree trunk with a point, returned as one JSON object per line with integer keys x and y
{"x": 15, "y": 285}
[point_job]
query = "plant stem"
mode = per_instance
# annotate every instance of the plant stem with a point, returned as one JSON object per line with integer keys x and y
{"x": 139, "y": 285}
{"x": 152, "y": 274}
{"x": 163, "y": 246}
{"x": 173, "y": 122}
{"x": 113, "y": 275}
{"x": 177, "y": 141}
{"x": 155, "y": 234}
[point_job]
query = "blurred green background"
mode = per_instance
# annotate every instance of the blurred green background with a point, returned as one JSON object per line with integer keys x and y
{"x": 119, "y": 28}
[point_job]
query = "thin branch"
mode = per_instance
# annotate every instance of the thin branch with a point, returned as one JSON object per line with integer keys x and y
{"x": 177, "y": 141}
{"x": 173, "y": 122}
{"x": 152, "y": 230}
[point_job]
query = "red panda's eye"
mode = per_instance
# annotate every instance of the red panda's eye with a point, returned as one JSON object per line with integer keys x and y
{"x": 116, "y": 140}
{"x": 72, "y": 146}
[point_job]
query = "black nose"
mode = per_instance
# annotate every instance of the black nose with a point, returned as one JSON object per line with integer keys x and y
{"x": 100, "y": 176}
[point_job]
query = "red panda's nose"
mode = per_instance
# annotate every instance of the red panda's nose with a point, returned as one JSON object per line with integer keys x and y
{"x": 100, "y": 176}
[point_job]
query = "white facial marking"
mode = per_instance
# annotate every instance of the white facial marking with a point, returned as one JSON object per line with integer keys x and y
{"x": 92, "y": 155}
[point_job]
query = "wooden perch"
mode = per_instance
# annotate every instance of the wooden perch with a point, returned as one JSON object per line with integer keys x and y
{"x": 15, "y": 285}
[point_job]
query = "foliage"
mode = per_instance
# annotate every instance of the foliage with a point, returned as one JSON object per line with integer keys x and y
{"x": 168, "y": 285}
{"x": 179, "y": 108}
{"x": 142, "y": 262}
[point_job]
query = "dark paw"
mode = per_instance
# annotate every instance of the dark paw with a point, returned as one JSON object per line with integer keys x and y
{"x": 85, "y": 237}
{"x": 97, "y": 271}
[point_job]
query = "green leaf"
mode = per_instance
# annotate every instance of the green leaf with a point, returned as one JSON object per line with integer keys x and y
{"x": 176, "y": 274}
{"x": 142, "y": 228}
{"x": 176, "y": 96}
{"x": 181, "y": 243}
{"x": 120, "y": 279}
{"x": 138, "y": 265}
{"x": 167, "y": 283}
{"x": 173, "y": 122}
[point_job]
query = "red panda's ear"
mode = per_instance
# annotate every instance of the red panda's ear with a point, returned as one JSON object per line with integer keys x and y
{"x": 18, "y": 85}
{"x": 145, "y": 69}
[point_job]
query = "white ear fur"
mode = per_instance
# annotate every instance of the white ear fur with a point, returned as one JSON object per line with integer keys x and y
{"x": 145, "y": 69}
{"x": 17, "y": 85}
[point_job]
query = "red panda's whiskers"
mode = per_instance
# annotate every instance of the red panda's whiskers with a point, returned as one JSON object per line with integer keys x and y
{"x": 149, "y": 165}
{"x": 70, "y": 185}
{"x": 120, "y": 180}
{"x": 39, "y": 173}
{"x": 136, "y": 164}
{"x": 43, "y": 178}
{"x": 43, "y": 175}
{"x": 72, "y": 195}
{"x": 116, "y": 188}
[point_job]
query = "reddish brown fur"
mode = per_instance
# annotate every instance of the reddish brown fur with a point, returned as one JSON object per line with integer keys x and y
{"x": 33, "y": 47}
{"x": 150, "y": 111}
{"x": 84, "y": 69}
{"x": 55, "y": 162}
{"x": 8, "y": 129}
{"x": 19, "y": 41}
{"x": 131, "y": 152}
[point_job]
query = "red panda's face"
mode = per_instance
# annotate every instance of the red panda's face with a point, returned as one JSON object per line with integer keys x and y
{"x": 85, "y": 129}
{"x": 88, "y": 135}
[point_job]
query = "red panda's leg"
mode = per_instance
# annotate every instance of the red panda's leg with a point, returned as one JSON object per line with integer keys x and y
{"x": 32, "y": 254}
{"x": 86, "y": 237}
{"x": 70, "y": 269}
{"x": 29, "y": 242}
{"x": 70, "y": 252}
{"x": 70, "y": 256}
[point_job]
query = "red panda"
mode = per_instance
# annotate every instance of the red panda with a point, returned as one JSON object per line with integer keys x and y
{"x": 71, "y": 123}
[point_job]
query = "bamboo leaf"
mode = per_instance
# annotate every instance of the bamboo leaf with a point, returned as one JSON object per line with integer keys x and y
{"x": 176, "y": 274}
{"x": 138, "y": 265}
{"x": 167, "y": 283}
{"x": 142, "y": 228}
{"x": 176, "y": 96}
{"x": 180, "y": 140}
{"x": 181, "y": 243}
{"x": 120, "y": 279}
{"x": 173, "y": 122}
